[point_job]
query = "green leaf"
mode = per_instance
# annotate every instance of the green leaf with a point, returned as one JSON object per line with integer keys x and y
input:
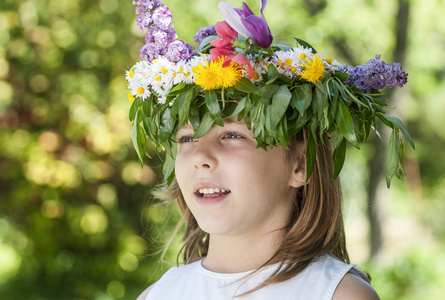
{"x": 213, "y": 107}
{"x": 181, "y": 88}
{"x": 311, "y": 154}
{"x": 169, "y": 169}
{"x": 282, "y": 132}
{"x": 298, "y": 100}
{"x": 272, "y": 73}
{"x": 177, "y": 88}
{"x": 284, "y": 48}
{"x": 245, "y": 85}
{"x": 205, "y": 42}
{"x": 194, "y": 115}
{"x": 345, "y": 123}
{"x": 137, "y": 103}
{"x": 268, "y": 91}
{"x": 392, "y": 156}
{"x": 138, "y": 139}
{"x": 339, "y": 158}
{"x": 402, "y": 128}
{"x": 184, "y": 109}
{"x": 239, "y": 107}
{"x": 205, "y": 125}
{"x": 342, "y": 76}
{"x": 167, "y": 125}
{"x": 305, "y": 44}
{"x": 280, "y": 103}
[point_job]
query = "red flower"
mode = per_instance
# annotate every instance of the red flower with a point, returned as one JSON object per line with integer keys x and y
{"x": 224, "y": 47}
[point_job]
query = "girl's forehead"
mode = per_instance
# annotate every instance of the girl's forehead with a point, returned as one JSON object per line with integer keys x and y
{"x": 231, "y": 122}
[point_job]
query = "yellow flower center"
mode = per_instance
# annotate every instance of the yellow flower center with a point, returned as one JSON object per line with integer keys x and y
{"x": 255, "y": 76}
{"x": 288, "y": 62}
{"x": 140, "y": 90}
{"x": 164, "y": 70}
{"x": 131, "y": 74}
{"x": 158, "y": 78}
{"x": 329, "y": 61}
{"x": 302, "y": 56}
{"x": 181, "y": 69}
{"x": 293, "y": 69}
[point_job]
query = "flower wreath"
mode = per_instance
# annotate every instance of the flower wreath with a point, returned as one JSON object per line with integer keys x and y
{"x": 277, "y": 89}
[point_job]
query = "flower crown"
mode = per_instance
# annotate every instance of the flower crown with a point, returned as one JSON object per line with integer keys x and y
{"x": 277, "y": 89}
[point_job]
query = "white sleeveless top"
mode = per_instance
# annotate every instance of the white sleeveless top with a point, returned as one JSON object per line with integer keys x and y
{"x": 193, "y": 282}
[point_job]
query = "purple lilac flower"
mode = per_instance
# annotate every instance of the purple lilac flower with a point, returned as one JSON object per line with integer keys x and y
{"x": 157, "y": 20}
{"x": 178, "y": 50}
{"x": 375, "y": 74}
{"x": 203, "y": 33}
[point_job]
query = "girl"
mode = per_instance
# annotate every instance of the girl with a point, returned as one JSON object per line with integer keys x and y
{"x": 250, "y": 213}
{"x": 247, "y": 128}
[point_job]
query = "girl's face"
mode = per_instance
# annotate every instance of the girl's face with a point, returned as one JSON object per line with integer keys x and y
{"x": 231, "y": 186}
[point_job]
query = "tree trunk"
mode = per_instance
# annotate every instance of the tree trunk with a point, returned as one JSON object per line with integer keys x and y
{"x": 377, "y": 190}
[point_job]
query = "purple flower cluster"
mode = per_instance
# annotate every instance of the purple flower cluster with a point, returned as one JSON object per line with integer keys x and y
{"x": 178, "y": 50}
{"x": 161, "y": 35}
{"x": 203, "y": 33}
{"x": 375, "y": 74}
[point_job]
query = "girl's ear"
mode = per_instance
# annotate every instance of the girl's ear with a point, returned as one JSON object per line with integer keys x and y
{"x": 298, "y": 175}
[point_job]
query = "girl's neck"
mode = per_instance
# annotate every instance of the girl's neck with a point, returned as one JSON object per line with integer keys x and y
{"x": 235, "y": 254}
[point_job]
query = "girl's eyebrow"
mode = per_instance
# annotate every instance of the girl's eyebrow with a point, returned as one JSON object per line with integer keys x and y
{"x": 184, "y": 127}
{"x": 233, "y": 122}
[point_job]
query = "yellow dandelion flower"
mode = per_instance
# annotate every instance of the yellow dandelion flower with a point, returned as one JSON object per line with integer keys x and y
{"x": 130, "y": 97}
{"x": 313, "y": 70}
{"x": 209, "y": 76}
{"x": 213, "y": 75}
{"x": 230, "y": 75}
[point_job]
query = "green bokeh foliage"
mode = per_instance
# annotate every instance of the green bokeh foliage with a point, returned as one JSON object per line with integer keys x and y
{"x": 76, "y": 218}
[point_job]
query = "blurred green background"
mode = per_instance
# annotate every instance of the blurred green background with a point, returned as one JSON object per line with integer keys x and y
{"x": 76, "y": 217}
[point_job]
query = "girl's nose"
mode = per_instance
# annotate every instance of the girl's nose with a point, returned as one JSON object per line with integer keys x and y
{"x": 203, "y": 156}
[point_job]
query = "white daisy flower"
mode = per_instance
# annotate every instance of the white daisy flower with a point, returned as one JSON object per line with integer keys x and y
{"x": 303, "y": 53}
{"x": 162, "y": 71}
{"x": 258, "y": 69}
{"x": 139, "y": 90}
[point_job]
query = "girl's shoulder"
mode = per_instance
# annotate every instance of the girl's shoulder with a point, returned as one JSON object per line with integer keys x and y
{"x": 170, "y": 277}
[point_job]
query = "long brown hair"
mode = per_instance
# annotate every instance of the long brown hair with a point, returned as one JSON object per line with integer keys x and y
{"x": 315, "y": 227}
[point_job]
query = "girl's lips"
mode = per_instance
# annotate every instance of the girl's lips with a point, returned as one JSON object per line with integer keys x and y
{"x": 213, "y": 198}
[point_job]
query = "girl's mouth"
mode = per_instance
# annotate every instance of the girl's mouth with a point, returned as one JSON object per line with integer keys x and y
{"x": 211, "y": 192}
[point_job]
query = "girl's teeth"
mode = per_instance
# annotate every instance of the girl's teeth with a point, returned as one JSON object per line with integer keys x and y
{"x": 207, "y": 191}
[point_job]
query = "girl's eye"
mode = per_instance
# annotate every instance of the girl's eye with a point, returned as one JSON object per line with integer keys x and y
{"x": 186, "y": 139}
{"x": 232, "y": 135}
